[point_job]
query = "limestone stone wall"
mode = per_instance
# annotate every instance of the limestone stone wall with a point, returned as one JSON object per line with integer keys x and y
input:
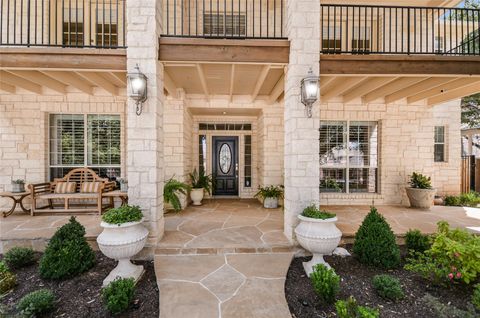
{"x": 24, "y": 130}
{"x": 406, "y": 144}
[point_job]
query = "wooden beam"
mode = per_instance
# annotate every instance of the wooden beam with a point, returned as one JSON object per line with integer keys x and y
{"x": 43, "y": 80}
{"x": 366, "y": 87}
{"x": 169, "y": 85}
{"x": 391, "y": 87}
{"x": 260, "y": 80}
{"x": 203, "y": 81}
{"x": 460, "y": 82}
{"x": 7, "y": 88}
{"x": 100, "y": 81}
{"x": 114, "y": 79}
{"x": 72, "y": 59}
{"x": 232, "y": 82}
{"x": 455, "y": 94}
{"x": 11, "y": 79}
{"x": 417, "y": 88}
{"x": 223, "y": 50}
{"x": 397, "y": 65}
{"x": 72, "y": 79}
{"x": 339, "y": 86}
{"x": 325, "y": 80}
{"x": 277, "y": 90}
{"x": 122, "y": 77}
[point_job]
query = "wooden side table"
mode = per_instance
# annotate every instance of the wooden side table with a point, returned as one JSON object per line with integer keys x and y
{"x": 17, "y": 198}
{"x": 117, "y": 194}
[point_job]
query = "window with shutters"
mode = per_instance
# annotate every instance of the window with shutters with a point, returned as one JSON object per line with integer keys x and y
{"x": 348, "y": 157}
{"x": 92, "y": 140}
{"x": 224, "y": 25}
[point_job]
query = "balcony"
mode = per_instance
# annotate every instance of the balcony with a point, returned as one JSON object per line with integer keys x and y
{"x": 361, "y": 29}
{"x": 71, "y": 24}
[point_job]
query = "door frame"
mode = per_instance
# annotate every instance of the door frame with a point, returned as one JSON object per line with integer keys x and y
{"x": 215, "y": 138}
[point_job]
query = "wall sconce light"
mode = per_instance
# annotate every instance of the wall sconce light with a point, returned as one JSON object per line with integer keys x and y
{"x": 309, "y": 91}
{"x": 137, "y": 88}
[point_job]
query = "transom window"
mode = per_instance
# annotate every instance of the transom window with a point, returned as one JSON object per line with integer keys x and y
{"x": 348, "y": 157}
{"x": 78, "y": 140}
{"x": 439, "y": 147}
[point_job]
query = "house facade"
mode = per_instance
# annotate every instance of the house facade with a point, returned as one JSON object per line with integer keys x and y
{"x": 224, "y": 86}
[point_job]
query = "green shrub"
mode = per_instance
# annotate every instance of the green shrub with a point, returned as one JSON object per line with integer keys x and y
{"x": 375, "y": 242}
{"x": 453, "y": 256}
{"x": 36, "y": 303}
{"x": 171, "y": 190}
{"x": 8, "y": 280}
{"x": 270, "y": 192}
{"x": 387, "y": 287}
{"x": 452, "y": 200}
{"x": 19, "y": 257}
{"x": 416, "y": 241}
{"x": 443, "y": 310}
{"x": 123, "y": 214}
{"x": 313, "y": 212}
{"x": 3, "y": 267}
{"x": 471, "y": 199}
{"x": 476, "y": 297}
{"x": 68, "y": 253}
{"x": 325, "y": 283}
{"x": 419, "y": 181}
{"x": 201, "y": 181}
{"x": 350, "y": 309}
{"x": 118, "y": 295}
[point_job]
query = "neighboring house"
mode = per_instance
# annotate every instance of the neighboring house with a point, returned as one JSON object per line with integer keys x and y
{"x": 224, "y": 95}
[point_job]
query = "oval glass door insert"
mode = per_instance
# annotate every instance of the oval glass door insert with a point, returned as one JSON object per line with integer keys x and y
{"x": 225, "y": 158}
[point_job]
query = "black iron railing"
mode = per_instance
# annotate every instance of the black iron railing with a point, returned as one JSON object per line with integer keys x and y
{"x": 361, "y": 29}
{"x": 238, "y": 19}
{"x": 63, "y": 23}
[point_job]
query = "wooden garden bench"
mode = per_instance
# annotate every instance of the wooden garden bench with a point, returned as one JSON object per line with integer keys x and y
{"x": 66, "y": 195}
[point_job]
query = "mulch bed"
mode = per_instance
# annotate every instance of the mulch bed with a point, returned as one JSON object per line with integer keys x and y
{"x": 356, "y": 280}
{"x": 80, "y": 296}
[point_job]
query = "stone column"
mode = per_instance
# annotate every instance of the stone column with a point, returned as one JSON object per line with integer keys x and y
{"x": 301, "y": 133}
{"x": 145, "y": 132}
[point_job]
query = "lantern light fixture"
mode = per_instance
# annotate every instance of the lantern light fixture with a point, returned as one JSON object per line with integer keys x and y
{"x": 137, "y": 88}
{"x": 309, "y": 92}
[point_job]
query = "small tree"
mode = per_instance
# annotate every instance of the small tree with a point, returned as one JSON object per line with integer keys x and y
{"x": 375, "y": 242}
{"x": 68, "y": 253}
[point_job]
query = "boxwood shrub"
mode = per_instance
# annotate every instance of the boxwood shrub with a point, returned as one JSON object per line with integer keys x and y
{"x": 118, "y": 295}
{"x": 18, "y": 257}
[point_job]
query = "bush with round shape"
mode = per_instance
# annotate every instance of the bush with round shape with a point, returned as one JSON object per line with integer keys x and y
{"x": 36, "y": 303}
{"x": 350, "y": 309}
{"x": 417, "y": 242}
{"x": 326, "y": 283}
{"x": 388, "y": 287}
{"x": 118, "y": 295}
{"x": 123, "y": 214}
{"x": 375, "y": 242}
{"x": 68, "y": 253}
{"x": 18, "y": 257}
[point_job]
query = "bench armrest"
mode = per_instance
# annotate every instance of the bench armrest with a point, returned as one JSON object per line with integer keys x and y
{"x": 40, "y": 188}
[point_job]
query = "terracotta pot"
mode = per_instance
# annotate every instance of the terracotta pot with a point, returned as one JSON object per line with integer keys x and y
{"x": 421, "y": 198}
{"x": 121, "y": 242}
{"x": 197, "y": 196}
{"x": 270, "y": 203}
{"x": 320, "y": 237}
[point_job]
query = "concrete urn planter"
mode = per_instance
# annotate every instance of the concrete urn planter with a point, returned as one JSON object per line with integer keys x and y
{"x": 122, "y": 242}
{"x": 18, "y": 187}
{"x": 270, "y": 203}
{"x": 197, "y": 196}
{"x": 318, "y": 236}
{"x": 421, "y": 198}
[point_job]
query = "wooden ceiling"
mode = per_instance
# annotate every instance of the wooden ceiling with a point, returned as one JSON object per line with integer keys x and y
{"x": 254, "y": 80}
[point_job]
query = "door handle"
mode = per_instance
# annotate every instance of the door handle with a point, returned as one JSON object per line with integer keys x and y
{"x": 236, "y": 170}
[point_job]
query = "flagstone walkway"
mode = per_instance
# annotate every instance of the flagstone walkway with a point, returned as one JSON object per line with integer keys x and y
{"x": 225, "y": 259}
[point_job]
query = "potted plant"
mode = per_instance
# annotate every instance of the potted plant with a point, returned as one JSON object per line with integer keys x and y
{"x": 200, "y": 183}
{"x": 270, "y": 196}
{"x": 123, "y": 237}
{"x": 171, "y": 191}
{"x": 318, "y": 234}
{"x": 420, "y": 193}
{"x": 18, "y": 185}
{"x": 123, "y": 184}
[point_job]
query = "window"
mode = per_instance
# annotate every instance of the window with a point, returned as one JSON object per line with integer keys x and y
{"x": 331, "y": 39}
{"x": 73, "y": 26}
{"x": 224, "y": 126}
{"x": 248, "y": 161}
{"x": 224, "y": 24}
{"x": 85, "y": 141}
{"x": 439, "y": 147}
{"x": 202, "y": 153}
{"x": 107, "y": 28}
{"x": 361, "y": 39}
{"x": 348, "y": 157}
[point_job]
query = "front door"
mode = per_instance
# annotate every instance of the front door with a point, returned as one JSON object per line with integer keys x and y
{"x": 225, "y": 165}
